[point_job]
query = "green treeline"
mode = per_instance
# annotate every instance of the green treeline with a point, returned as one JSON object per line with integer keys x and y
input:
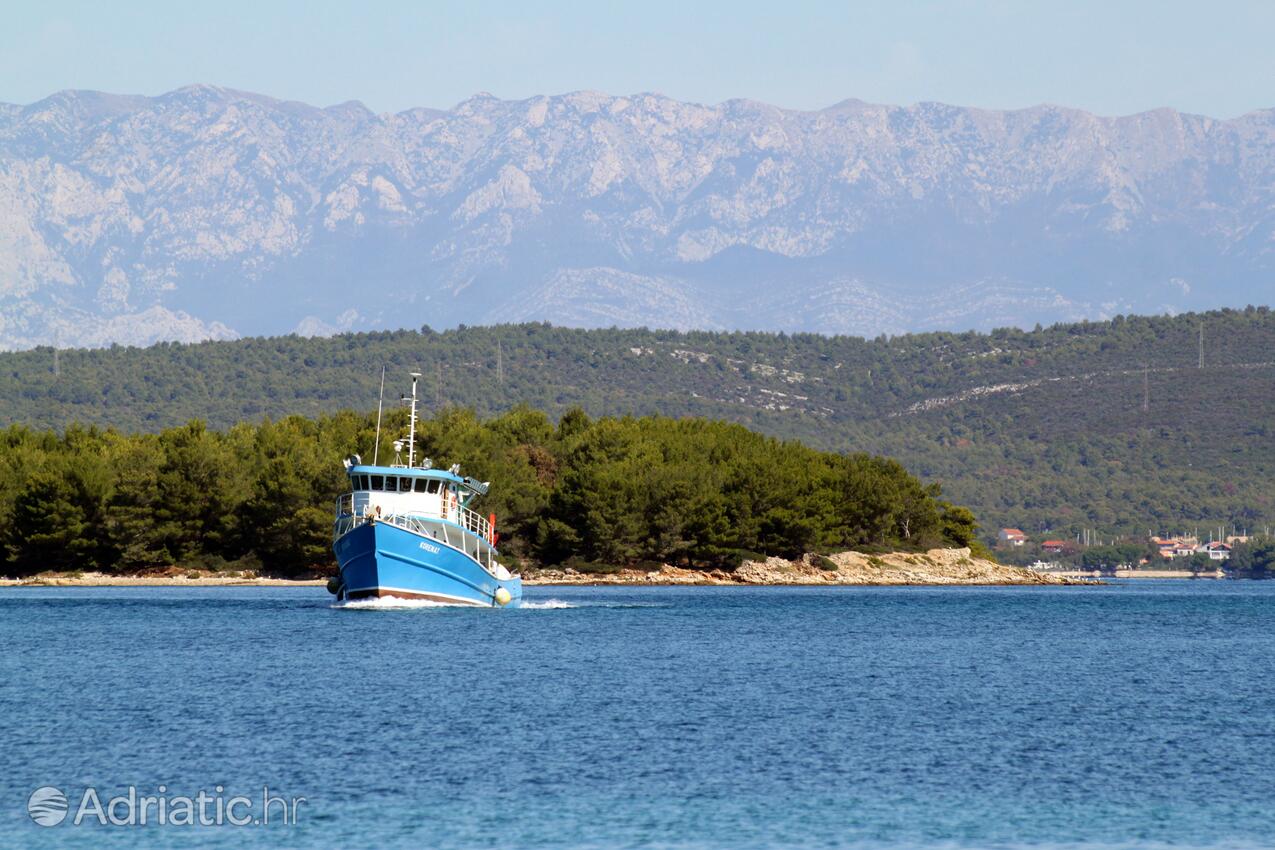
{"x": 606, "y": 491}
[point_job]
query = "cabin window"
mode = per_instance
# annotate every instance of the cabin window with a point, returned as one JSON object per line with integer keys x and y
{"x": 420, "y": 485}
{"x": 405, "y": 485}
{"x": 362, "y": 483}
{"x": 378, "y": 482}
{"x": 433, "y": 487}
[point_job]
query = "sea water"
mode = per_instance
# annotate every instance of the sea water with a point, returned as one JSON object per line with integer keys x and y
{"x": 1132, "y": 715}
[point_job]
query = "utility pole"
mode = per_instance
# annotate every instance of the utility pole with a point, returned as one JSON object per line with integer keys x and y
{"x": 438, "y": 386}
{"x": 1201, "y": 366}
{"x": 1146, "y": 388}
{"x": 57, "y": 365}
{"x": 500, "y": 365}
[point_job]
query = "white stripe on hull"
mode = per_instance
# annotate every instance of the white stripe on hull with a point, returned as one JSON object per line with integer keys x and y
{"x": 416, "y": 594}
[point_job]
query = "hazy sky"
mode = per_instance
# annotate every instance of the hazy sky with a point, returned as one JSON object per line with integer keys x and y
{"x": 1111, "y": 57}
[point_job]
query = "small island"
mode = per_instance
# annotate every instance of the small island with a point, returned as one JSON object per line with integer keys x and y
{"x": 607, "y": 500}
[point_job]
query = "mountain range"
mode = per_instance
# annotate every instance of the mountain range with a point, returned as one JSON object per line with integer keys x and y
{"x": 207, "y": 213}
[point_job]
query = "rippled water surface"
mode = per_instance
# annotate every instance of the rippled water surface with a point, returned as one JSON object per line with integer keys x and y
{"x": 1134, "y": 715}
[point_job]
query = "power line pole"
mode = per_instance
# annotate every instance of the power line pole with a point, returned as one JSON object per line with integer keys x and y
{"x": 438, "y": 386}
{"x": 500, "y": 365}
{"x": 1201, "y": 366}
{"x": 1146, "y": 389}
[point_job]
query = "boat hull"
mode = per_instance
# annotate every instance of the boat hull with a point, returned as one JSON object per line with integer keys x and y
{"x": 379, "y": 560}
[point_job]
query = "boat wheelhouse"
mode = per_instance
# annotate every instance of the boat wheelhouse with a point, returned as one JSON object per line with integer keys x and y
{"x": 409, "y": 531}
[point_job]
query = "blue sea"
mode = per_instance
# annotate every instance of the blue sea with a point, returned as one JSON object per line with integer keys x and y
{"x": 1133, "y": 715}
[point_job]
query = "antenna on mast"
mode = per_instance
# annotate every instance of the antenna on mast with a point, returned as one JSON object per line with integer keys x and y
{"x": 380, "y": 401}
{"x": 411, "y": 429}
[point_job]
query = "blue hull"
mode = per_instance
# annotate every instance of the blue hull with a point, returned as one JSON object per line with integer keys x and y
{"x": 379, "y": 559}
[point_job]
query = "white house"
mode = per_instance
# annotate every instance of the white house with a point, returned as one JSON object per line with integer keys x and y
{"x": 1011, "y": 537}
{"x": 1217, "y": 550}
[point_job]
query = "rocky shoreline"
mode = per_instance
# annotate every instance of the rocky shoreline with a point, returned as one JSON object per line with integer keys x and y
{"x": 936, "y": 567}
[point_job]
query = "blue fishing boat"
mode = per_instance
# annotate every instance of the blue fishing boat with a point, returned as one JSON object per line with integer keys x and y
{"x": 408, "y": 531}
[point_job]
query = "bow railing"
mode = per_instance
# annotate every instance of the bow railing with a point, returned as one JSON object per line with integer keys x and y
{"x": 472, "y": 521}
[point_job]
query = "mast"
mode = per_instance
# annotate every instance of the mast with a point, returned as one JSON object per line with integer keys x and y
{"x": 411, "y": 430}
{"x": 380, "y": 400}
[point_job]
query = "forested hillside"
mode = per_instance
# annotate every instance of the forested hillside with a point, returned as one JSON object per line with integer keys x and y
{"x": 1118, "y": 426}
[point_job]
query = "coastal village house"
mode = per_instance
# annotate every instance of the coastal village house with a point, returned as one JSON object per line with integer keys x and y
{"x": 1168, "y": 548}
{"x": 1185, "y": 547}
{"x": 1217, "y": 550}
{"x": 1011, "y": 537}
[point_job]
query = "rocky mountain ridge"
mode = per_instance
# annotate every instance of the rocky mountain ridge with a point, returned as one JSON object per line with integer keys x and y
{"x": 210, "y": 213}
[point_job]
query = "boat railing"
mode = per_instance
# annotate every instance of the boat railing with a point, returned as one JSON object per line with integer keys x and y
{"x": 348, "y": 517}
{"x": 476, "y": 523}
{"x": 471, "y": 521}
{"x": 483, "y": 552}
